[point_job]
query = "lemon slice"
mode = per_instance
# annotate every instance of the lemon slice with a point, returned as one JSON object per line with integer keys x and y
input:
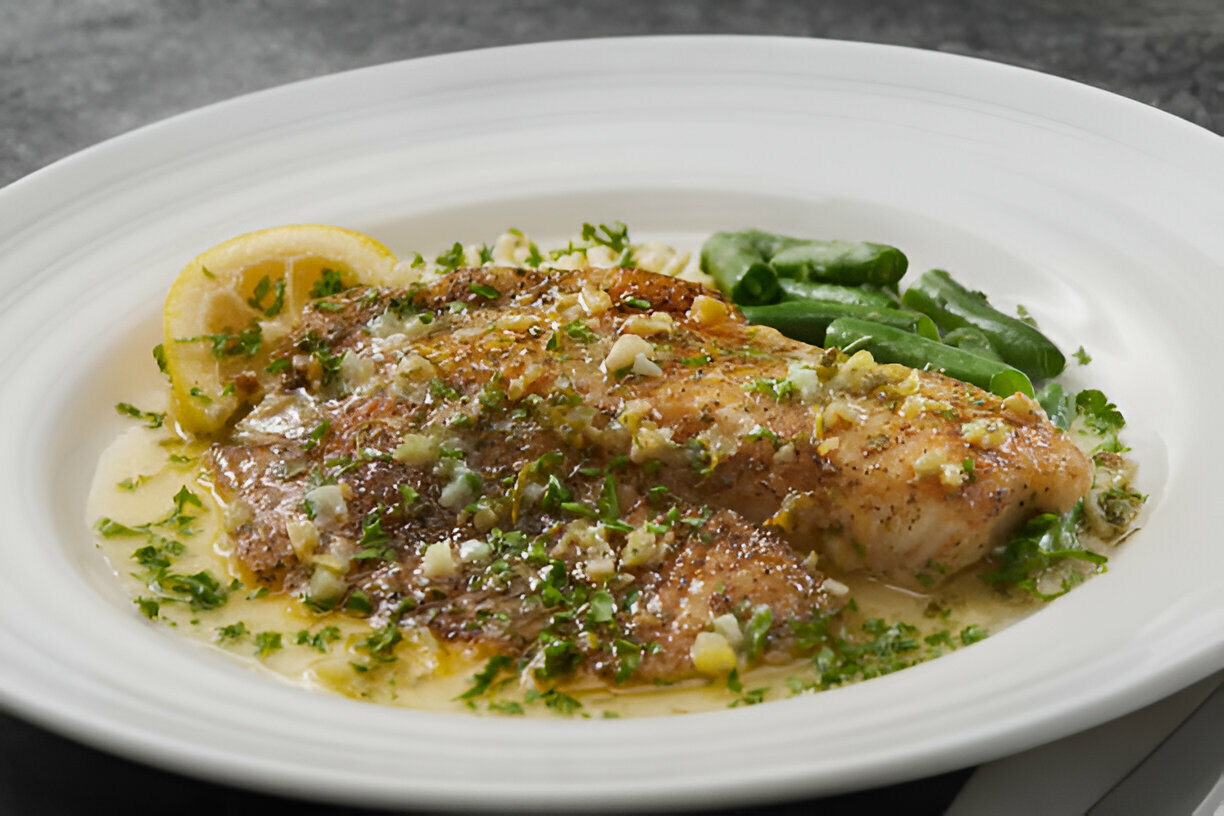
{"x": 229, "y": 306}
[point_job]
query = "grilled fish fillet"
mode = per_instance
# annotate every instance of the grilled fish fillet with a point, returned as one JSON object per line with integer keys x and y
{"x": 584, "y": 470}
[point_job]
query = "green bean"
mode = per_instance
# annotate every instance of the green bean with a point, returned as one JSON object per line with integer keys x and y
{"x": 831, "y": 292}
{"x": 808, "y": 320}
{"x": 739, "y": 264}
{"x": 841, "y": 262}
{"x": 891, "y": 345}
{"x": 972, "y": 340}
{"x": 952, "y": 306}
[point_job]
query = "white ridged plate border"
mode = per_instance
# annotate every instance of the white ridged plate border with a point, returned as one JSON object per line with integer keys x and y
{"x": 1099, "y": 214}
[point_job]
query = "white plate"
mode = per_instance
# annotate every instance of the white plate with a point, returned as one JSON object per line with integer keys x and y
{"x": 1099, "y": 214}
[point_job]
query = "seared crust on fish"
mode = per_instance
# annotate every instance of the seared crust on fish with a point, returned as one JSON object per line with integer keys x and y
{"x": 587, "y": 470}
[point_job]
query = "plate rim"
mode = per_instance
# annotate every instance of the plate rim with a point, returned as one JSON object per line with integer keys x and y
{"x": 145, "y": 752}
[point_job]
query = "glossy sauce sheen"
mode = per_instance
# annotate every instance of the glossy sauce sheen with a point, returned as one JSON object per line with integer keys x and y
{"x": 423, "y": 677}
{"x": 606, "y": 477}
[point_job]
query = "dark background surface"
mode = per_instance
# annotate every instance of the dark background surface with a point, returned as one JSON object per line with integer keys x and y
{"x": 76, "y": 72}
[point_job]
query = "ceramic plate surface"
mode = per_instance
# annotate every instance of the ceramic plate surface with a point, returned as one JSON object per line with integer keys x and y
{"x": 1100, "y": 215}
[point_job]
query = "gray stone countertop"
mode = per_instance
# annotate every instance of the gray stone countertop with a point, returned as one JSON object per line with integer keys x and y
{"x": 75, "y": 72}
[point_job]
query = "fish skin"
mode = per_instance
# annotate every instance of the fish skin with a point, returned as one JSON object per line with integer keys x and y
{"x": 510, "y": 370}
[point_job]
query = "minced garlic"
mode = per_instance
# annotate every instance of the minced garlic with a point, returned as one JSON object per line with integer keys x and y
{"x": 648, "y": 325}
{"x": 986, "y": 433}
{"x": 708, "y": 311}
{"x": 624, "y": 352}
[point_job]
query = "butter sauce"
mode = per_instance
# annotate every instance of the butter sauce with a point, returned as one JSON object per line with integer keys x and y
{"x": 141, "y": 472}
{"x": 167, "y": 532}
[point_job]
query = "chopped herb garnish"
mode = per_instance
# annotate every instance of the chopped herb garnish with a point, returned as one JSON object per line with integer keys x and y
{"x": 374, "y": 542}
{"x": 1043, "y": 543}
{"x": 267, "y": 642}
{"x": 534, "y": 258}
{"x": 320, "y": 349}
{"x": 152, "y": 419}
{"x": 231, "y": 632}
{"x": 228, "y": 344}
{"x": 779, "y": 389}
{"x": 601, "y": 607}
{"x": 485, "y": 677}
{"x": 559, "y": 701}
{"x": 320, "y": 640}
{"x": 439, "y": 389}
{"x": 614, "y": 237}
{"x": 316, "y": 435}
{"x": 760, "y": 432}
{"x": 756, "y": 631}
{"x": 330, "y": 283}
{"x": 359, "y": 603}
{"x": 380, "y": 645}
{"x": 972, "y": 634}
{"x": 159, "y": 354}
{"x": 580, "y": 331}
{"x": 450, "y": 260}
{"x": 408, "y": 495}
{"x": 133, "y": 482}
{"x": 1101, "y": 417}
{"x": 262, "y": 290}
{"x": 484, "y": 290}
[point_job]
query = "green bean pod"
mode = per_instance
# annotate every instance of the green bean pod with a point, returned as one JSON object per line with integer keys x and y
{"x": 952, "y": 306}
{"x": 831, "y": 292}
{"x": 891, "y": 345}
{"x": 741, "y": 272}
{"x": 973, "y": 341}
{"x": 739, "y": 264}
{"x": 843, "y": 262}
{"x": 808, "y": 320}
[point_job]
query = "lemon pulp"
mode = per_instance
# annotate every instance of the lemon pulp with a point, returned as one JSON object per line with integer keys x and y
{"x": 229, "y": 306}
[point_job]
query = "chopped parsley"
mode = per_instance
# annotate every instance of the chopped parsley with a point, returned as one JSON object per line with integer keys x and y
{"x": 231, "y": 632}
{"x": 320, "y": 349}
{"x": 485, "y": 677}
{"x": 450, "y": 260}
{"x": 614, "y": 237}
{"x": 152, "y": 419}
{"x": 534, "y": 258}
{"x": 330, "y": 282}
{"x": 1102, "y": 417}
{"x": 226, "y": 343}
{"x": 267, "y": 642}
{"x": 558, "y": 701}
{"x": 484, "y": 290}
{"x": 316, "y": 435}
{"x": 779, "y": 389}
{"x": 1043, "y": 543}
{"x": 319, "y": 641}
{"x": 159, "y": 355}
{"x": 580, "y": 331}
{"x": 262, "y": 290}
